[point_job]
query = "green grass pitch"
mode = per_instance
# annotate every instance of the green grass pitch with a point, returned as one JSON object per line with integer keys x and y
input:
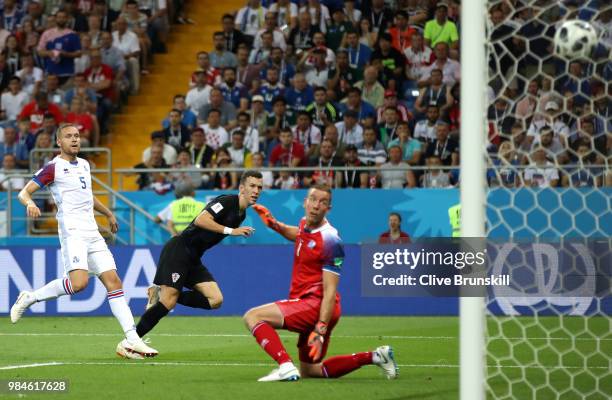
{"x": 216, "y": 358}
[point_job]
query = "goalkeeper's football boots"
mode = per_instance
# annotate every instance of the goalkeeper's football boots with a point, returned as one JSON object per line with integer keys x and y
{"x": 383, "y": 357}
{"x": 285, "y": 372}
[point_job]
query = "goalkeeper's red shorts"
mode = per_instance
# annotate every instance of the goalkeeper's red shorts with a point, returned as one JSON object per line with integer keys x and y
{"x": 301, "y": 316}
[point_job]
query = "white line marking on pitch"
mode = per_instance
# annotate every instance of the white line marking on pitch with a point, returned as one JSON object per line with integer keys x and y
{"x": 240, "y": 335}
{"x": 232, "y": 364}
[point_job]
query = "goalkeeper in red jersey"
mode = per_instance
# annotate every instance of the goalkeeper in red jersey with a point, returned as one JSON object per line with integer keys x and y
{"x": 313, "y": 307}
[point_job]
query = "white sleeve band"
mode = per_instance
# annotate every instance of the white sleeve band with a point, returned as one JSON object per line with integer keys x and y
{"x": 227, "y": 231}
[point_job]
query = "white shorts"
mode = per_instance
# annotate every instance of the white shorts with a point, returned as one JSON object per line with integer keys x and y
{"x": 88, "y": 253}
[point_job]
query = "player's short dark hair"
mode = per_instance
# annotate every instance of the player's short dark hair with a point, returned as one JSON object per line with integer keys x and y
{"x": 397, "y": 215}
{"x": 320, "y": 89}
{"x": 323, "y": 188}
{"x": 250, "y": 174}
{"x": 63, "y": 126}
{"x": 244, "y": 114}
{"x": 214, "y": 110}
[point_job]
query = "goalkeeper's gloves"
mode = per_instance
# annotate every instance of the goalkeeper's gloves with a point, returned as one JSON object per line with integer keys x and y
{"x": 316, "y": 341}
{"x": 266, "y": 217}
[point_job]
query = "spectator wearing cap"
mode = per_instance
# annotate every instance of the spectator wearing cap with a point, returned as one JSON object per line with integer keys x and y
{"x": 199, "y": 96}
{"x": 301, "y": 37}
{"x": 358, "y": 53}
{"x": 251, "y": 18}
{"x": 401, "y": 33}
{"x": 216, "y": 135}
{"x": 391, "y": 101}
{"x": 36, "y": 110}
{"x": 319, "y": 14}
{"x": 234, "y": 91}
{"x": 322, "y": 111}
{"x": 300, "y": 94}
{"x": 30, "y": 75}
{"x": 221, "y": 58}
{"x": 232, "y": 36}
{"x": 158, "y": 138}
{"x": 271, "y": 88}
{"x": 349, "y": 129}
{"x": 412, "y": 149}
{"x": 394, "y": 235}
{"x": 392, "y": 178}
{"x": 425, "y": 129}
{"x": 13, "y": 100}
{"x": 323, "y": 174}
{"x": 444, "y": 147}
{"x": 258, "y": 114}
{"x": 551, "y": 118}
{"x": 59, "y": 46}
{"x": 451, "y": 69}
{"x": 200, "y": 154}
{"x": 392, "y": 60}
{"x": 286, "y": 69}
{"x": 418, "y": 57}
{"x": 342, "y": 77}
{"x": 337, "y": 30}
{"x": 188, "y": 118}
{"x": 380, "y": 16}
{"x": 278, "y": 39}
{"x": 307, "y": 134}
{"x": 353, "y": 101}
{"x": 127, "y": 42}
{"x": 251, "y": 134}
{"x": 352, "y": 178}
{"x": 280, "y": 117}
{"x": 440, "y": 29}
{"x": 176, "y": 134}
{"x": 246, "y": 73}
{"x": 371, "y": 90}
{"x": 435, "y": 93}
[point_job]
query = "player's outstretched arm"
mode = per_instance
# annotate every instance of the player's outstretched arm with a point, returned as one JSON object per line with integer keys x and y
{"x": 112, "y": 221}
{"x": 289, "y": 232}
{"x": 206, "y": 221}
{"x": 25, "y": 198}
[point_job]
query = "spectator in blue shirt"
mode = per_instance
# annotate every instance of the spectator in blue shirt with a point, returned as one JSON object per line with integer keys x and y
{"x": 234, "y": 92}
{"x": 60, "y": 46}
{"x": 271, "y": 88}
{"x": 12, "y": 146}
{"x": 190, "y": 120}
{"x": 300, "y": 94}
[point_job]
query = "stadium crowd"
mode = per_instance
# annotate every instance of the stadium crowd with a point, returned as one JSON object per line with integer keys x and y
{"x": 71, "y": 61}
{"x": 321, "y": 84}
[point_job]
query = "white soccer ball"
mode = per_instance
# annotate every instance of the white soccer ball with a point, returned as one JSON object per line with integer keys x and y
{"x": 575, "y": 39}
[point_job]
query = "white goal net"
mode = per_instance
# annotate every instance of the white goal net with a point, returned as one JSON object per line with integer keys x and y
{"x": 549, "y": 148}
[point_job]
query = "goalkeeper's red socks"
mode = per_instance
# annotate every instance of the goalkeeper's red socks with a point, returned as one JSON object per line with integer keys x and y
{"x": 338, "y": 366}
{"x": 269, "y": 340}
